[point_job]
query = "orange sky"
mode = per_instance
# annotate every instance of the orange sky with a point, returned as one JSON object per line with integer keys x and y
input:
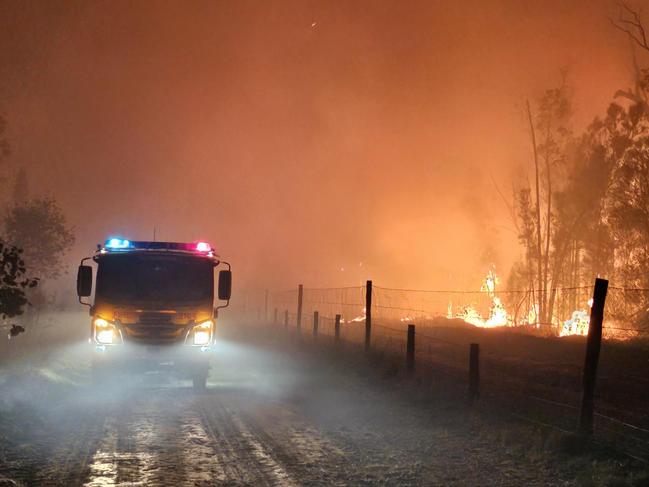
{"x": 297, "y": 149}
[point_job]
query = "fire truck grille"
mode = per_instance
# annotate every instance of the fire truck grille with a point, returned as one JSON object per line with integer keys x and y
{"x": 154, "y": 318}
{"x": 154, "y": 327}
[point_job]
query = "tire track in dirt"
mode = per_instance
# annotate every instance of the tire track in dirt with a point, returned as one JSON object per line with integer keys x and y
{"x": 245, "y": 460}
{"x": 263, "y": 455}
{"x": 286, "y": 449}
{"x": 199, "y": 452}
{"x": 156, "y": 440}
{"x": 299, "y": 447}
{"x": 169, "y": 437}
{"x": 70, "y": 455}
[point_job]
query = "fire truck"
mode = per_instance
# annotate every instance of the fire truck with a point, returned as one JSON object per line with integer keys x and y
{"x": 152, "y": 307}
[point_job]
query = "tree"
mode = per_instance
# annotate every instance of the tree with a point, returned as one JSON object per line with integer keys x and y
{"x": 536, "y": 210}
{"x": 629, "y": 22}
{"x": 597, "y": 221}
{"x": 581, "y": 247}
{"x": 13, "y": 281}
{"x": 587, "y": 212}
{"x": 624, "y": 137}
{"x": 40, "y": 228}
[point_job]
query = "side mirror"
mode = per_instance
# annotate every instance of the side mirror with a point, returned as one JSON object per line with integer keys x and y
{"x": 225, "y": 285}
{"x": 84, "y": 281}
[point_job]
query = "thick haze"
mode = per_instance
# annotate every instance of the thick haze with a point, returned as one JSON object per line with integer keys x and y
{"x": 300, "y": 138}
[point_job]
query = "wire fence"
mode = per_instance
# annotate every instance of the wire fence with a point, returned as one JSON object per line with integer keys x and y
{"x": 536, "y": 380}
{"x": 627, "y": 311}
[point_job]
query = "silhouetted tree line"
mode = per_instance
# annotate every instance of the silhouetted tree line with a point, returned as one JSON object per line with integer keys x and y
{"x": 35, "y": 237}
{"x": 585, "y": 211}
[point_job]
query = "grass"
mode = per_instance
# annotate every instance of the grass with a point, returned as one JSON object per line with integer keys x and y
{"x": 583, "y": 461}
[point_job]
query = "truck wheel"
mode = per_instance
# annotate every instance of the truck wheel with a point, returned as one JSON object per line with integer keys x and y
{"x": 200, "y": 382}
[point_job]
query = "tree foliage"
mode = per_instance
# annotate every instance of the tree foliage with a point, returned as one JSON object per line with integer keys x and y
{"x": 13, "y": 281}
{"x": 537, "y": 205}
{"x": 595, "y": 222}
{"x": 40, "y": 228}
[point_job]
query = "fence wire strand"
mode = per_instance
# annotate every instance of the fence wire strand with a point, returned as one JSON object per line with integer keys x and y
{"x": 436, "y": 311}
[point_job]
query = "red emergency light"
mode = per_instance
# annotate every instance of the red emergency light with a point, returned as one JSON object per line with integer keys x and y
{"x": 122, "y": 244}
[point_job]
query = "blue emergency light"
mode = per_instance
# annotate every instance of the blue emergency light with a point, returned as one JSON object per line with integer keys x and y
{"x": 116, "y": 243}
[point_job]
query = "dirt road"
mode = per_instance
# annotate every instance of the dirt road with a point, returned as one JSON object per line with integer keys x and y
{"x": 170, "y": 437}
{"x": 267, "y": 418}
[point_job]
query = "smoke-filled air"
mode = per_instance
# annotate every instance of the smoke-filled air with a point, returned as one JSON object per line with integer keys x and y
{"x": 324, "y": 243}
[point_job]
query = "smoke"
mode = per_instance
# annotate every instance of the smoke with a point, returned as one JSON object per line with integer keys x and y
{"x": 53, "y": 360}
{"x": 299, "y": 138}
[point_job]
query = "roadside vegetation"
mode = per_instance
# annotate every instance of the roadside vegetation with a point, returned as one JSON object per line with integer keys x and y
{"x": 581, "y": 204}
{"x": 522, "y": 441}
{"x": 35, "y": 237}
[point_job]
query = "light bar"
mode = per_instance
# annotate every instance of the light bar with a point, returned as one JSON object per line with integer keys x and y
{"x": 117, "y": 244}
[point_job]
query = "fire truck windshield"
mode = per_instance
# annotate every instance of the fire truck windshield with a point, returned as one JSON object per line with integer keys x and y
{"x": 154, "y": 278}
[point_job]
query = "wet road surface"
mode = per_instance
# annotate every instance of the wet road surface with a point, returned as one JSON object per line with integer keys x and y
{"x": 265, "y": 419}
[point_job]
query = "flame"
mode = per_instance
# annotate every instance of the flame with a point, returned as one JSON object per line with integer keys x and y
{"x": 498, "y": 316}
{"x": 357, "y": 319}
{"x": 531, "y": 317}
{"x": 497, "y": 313}
{"x": 578, "y": 323}
{"x": 489, "y": 284}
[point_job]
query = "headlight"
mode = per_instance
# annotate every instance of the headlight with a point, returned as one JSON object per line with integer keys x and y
{"x": 105, "y": 332}
{"x": 105, "y": 336}
{"x": 101, "y": 323}
{"x": 203, "y": 333}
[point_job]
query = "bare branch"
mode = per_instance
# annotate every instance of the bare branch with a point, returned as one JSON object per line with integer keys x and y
{"x": 635, "y": 29}
{"x": 510, "y": 207}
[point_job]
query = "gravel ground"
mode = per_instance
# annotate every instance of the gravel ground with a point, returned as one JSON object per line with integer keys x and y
{"x": 268, "y": 417}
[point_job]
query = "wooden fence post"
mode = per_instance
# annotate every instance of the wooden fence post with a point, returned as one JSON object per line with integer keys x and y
{"x": 300, "y": 293}
{"x": 337, "y": 329}
{"x": 285, "y": 318}
{"x": 474, "y": 372}
{"x": 368, "y": 315}
{"x": 410, "y": 350}
{"x": 316, "y": 319}
{"x": 275, "y": 316}
{"x": 593, "y": 346}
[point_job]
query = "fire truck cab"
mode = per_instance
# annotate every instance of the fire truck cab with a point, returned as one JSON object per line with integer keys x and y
{"x": 152, "y": 307}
